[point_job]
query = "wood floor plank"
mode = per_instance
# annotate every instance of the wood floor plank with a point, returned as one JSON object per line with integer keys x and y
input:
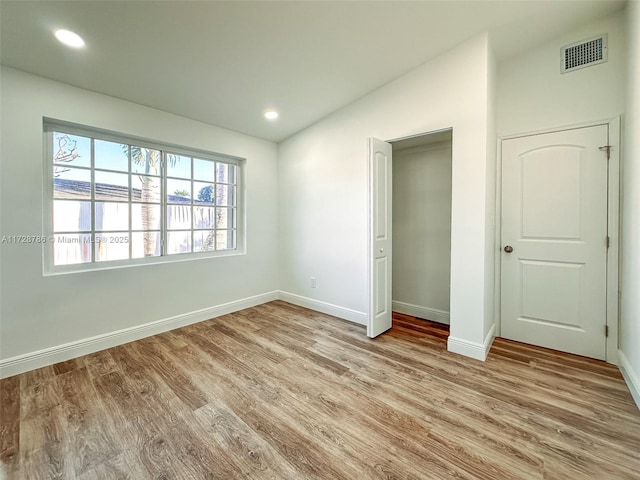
{"x": 100, "y": 363}
{"x": 171, "y": 340}
{"x": 134, "y": 421}
{"x": 10, "y": 424}
{"x": 281, "y": 392}
{"x": 45, "y": 458}
{"x": 242, "y": 338}
{"x": 89, "y": 437}
{"x": 114, "y": 468}
{"x": 256, "y": 458}
{"x": 151, "y": 354}
{"x": 68, "y": 366}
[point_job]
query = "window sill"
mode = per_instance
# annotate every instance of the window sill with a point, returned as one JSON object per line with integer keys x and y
{"x": 139, "y": 262}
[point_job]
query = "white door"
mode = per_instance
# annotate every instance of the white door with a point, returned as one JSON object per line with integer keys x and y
{"x": 554, "y": 239}
{"x": 379, "y": 318}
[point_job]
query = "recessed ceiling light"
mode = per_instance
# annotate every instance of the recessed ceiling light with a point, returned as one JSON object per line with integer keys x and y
{"x": 271, "y": 114}
{"x": 69, "y": 38}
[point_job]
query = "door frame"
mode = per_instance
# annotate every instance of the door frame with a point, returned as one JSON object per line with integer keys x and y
{"x": 370, "y": 235}
{"x": 613, "y": 227}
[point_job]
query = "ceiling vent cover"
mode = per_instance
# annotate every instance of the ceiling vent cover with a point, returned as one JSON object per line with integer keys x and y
{"x": 584, "y": 54}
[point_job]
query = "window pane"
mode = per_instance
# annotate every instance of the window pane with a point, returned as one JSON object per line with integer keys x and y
{"x": 145, "y": 216}
{"x": 178, "y": 217}
{"x": 71, "y": 183}
{"x": 145, "y": 160}
{"x": 225, "y": 239}
{"x": 145, "y": 189}
{"x": 145, "y": 244}
{"x": 203, "y": 217}
{"x": 111, "y": 156}
{"x": 112, "y": 216}
{"x": 204, "y": 240}
{"x": 204, "y": 169}
{"x": 225, "y": 195}
{"x": 71, "y": 150}
{"x": 225, "y": 173}
{"x": 178, "y": 166}
{"x": 71, "y": 216}
{"x": 69, "y": 249}
{"x": 112, "y": 186}
{"x": 225, "y": 218}
{"x": 178, "y": 191}
{"x": 178, "y": 242}
{"x": 112, "y": 246}
{"x": 204, "y": 193}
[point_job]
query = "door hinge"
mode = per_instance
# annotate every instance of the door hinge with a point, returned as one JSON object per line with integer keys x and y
{"x": 606, "y": 330}
{"x": 608, "y": 242}
{"x": 607, "y": 148}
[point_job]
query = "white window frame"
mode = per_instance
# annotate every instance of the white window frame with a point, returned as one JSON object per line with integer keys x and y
{"x": 52, "y": 125}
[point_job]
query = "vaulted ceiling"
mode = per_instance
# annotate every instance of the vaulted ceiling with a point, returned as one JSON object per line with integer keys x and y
{"x": 225, "y": 63}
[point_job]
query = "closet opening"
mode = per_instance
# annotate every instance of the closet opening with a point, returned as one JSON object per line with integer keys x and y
{"x": 421, "y": 231}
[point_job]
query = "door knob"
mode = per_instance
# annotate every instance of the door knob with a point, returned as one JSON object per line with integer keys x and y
{"x": 508, "y": 249}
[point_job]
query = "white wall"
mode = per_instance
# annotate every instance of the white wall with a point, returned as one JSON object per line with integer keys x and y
{"x": 323, "y": 185}
{"x": 533, "y": 95}
{"x": 422, "y": 231}
{"x": 630, "y": 322}
{"x": 40, "y": 312}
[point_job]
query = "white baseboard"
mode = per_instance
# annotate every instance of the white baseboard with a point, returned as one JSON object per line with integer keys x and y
{"x": 49, "y": 356}
{"x": 432, "y": 314}
{"x": 630, "y": 376}
{"x": 479, "y": 351}
{"x": 324, "y": 307}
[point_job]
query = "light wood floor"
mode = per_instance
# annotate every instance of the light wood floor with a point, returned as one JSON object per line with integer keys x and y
{"x": 280, "y": 392}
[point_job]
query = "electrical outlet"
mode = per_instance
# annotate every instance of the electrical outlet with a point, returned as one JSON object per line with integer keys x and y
{"x": 313, "y": 282}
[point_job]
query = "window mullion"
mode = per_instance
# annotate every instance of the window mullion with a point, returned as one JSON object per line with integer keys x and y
{"x": 130, "y": 203}
{"x": 93, "y": 202}
{"x": 51, "y": 249}
{"x": 193, "y": 208}
{"x": 163, "y": 204}
{"x": 214, "y": 227}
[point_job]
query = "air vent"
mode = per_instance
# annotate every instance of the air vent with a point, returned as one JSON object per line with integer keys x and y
{"x": 584, "y": 54}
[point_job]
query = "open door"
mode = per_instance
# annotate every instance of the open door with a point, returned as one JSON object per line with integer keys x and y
{"x": 379, "y": 317}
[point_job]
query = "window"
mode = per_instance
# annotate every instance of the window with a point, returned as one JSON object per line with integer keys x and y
{"x": 116, "y": 200}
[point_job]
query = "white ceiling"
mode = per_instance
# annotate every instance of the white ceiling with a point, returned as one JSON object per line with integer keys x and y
{"x": 224, "y": 63}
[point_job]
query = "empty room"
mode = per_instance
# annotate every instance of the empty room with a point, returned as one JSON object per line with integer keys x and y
{"x": 320, "y": 239}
